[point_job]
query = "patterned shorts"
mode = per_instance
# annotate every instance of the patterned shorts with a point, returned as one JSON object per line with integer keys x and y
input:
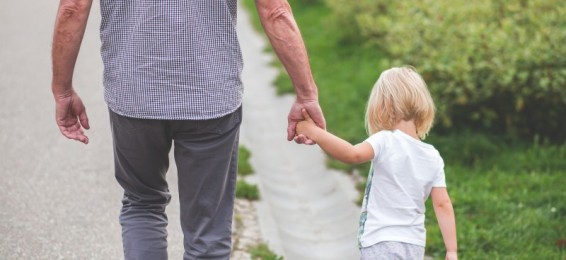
{"x": 393, "y": 251}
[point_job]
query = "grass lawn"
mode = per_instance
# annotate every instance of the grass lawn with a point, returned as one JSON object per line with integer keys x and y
{"x": 509, "y": 195}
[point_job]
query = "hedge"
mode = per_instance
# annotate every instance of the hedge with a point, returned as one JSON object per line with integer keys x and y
{"x": 498, "y": 66}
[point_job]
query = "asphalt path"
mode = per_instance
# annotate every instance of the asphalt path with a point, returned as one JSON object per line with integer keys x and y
{"x": 58, "y": 198}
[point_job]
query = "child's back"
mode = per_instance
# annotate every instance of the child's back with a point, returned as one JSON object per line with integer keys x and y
{"x": 404, "y": 172}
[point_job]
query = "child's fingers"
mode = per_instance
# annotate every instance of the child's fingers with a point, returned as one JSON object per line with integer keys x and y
{"x": 306, "y": 114}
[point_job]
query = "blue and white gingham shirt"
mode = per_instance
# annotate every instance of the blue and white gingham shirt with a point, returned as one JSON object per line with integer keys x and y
{"x": 171, "y": 59}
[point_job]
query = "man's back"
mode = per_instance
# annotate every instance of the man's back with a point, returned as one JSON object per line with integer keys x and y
{"x": 171, "y": 59}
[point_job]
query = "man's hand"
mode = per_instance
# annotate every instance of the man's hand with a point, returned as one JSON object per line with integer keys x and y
{"x": 70, "y": 115}
{"x": 295, "y": 115}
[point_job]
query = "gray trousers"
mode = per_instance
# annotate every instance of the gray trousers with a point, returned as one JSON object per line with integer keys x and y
{"x": 392, "y": 250}
{"x": 206, "y": 154}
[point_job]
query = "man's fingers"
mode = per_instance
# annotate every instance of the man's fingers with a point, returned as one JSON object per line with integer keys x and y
{"x": 80, "y": 137}
{"x": 84, "y": 120}
{"x": 75, "y": 136}
{"x": 302, "y": 139}
{"x": 74, "y": 132}
{"x": 314, "y": 113}
{"x": 83, "y": 139}
{"x": 318, "y": 118}
{"x": 291, "y": 130}
{"x": 309, "y": 142}
{"x": 299, "y": 139}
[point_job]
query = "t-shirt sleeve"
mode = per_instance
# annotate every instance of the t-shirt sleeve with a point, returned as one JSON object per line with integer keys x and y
{"x": 440, "y": 178}
{"x": 377, "y": 142}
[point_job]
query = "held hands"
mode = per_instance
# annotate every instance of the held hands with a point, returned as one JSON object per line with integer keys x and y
{"x": 306, "y": 127}
{"x": 70, "y": 115}
{"x": 314, "y": 113}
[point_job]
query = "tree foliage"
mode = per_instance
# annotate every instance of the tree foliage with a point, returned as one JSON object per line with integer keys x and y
{"x": 492, "y": 65}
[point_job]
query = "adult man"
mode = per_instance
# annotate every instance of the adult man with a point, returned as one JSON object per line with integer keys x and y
{"x": 172, "y": 74}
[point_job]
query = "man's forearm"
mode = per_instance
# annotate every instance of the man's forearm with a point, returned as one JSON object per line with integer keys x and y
{"x": 283, "y": 33}
{"x": 70, "y": 26}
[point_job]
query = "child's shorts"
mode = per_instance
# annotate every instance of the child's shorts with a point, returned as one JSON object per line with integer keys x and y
{"x": 393, "y": 250}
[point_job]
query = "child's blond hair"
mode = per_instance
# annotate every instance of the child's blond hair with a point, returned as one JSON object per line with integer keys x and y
{"x": 400, "y": 94}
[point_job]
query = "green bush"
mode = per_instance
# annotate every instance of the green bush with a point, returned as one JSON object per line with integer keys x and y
{"x": 245, "y": 190}
{"x": 493, "y": 65}
{"x": 244, "y": 166}
{"x": 470, "y": 149}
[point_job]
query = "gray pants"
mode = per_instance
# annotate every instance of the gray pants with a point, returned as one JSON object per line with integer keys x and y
{"x": 390, "y": 250}
{"x": 206, "y": 154}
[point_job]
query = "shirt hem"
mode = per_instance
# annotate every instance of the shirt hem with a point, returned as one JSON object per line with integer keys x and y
{"x": 158, "y": 117}
{"x": 371, "y": 242}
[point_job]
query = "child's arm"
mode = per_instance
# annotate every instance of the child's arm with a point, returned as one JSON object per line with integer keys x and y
{"x": 446, "y": 220}
{"x": 333, "y": 145}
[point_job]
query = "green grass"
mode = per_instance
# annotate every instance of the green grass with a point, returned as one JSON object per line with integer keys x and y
{"x": 244, "y": 166}
{"x": 509, "y": 195}
{"x": 247, "y": 191}
{"x": 504, "y": 214}
{"x": 262, "y": 252}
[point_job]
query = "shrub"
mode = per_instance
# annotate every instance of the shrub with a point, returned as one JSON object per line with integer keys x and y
{"x": 470, "y": 149}
{"x": 245, "y": 190}
{"x": 491, "y": 65}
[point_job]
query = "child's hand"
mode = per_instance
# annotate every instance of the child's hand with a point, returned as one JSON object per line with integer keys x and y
{"x": 306, "y": 126}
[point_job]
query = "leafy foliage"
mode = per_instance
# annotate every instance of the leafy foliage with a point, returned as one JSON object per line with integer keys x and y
{"x": 492, "y": 65}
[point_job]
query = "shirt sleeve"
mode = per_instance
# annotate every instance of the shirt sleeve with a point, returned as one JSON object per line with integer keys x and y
{"x": 440, "y": 178}
{"x": 377, "y": 142}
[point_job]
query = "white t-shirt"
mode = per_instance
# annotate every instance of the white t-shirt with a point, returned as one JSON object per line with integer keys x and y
{"x": 404, "y": 172}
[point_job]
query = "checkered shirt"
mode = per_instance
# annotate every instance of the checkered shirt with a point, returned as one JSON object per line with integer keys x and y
{"x": 171, "y": 59}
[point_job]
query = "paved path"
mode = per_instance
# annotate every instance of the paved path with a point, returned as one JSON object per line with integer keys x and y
{"x": 307, "y": 211}
{"x": 59, "y": 199}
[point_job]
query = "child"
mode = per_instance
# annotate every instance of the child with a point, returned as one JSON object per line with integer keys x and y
{"x": 405, "y": 170}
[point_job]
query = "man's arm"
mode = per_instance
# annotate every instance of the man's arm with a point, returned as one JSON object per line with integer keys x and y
{"x": 70, "y": 25}
{"x": 283, "y": 33}
{"x": 446, "y": 220}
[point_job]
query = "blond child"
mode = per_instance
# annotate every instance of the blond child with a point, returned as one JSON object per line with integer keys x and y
{"x": 405, "y": 170}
